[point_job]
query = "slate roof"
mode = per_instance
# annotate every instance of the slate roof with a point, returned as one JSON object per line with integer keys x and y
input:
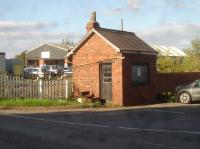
{"x": 122, "y": 41}
{"x": 125, "y": 41}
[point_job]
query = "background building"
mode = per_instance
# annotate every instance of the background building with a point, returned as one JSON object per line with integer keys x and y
{"x": 47, "y": 54}
{"x": 168, "y": 51}
{"x": 14, "y": 67}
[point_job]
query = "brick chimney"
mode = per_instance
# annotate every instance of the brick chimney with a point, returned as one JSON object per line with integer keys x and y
{"x": 93, "y": 23}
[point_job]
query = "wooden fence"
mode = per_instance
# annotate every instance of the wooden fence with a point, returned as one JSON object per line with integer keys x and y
{"x": 16, "y": 87}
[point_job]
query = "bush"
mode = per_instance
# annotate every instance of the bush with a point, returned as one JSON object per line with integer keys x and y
{"x": 92, "y": 103}
{"x": 168, "y": 97}
{"x": 97, "y": 104}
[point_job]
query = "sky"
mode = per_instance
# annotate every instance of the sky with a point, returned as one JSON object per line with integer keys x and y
{"x": 26, "y": 24}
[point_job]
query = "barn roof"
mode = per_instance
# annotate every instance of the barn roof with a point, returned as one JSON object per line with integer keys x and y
{"x": 121, "y": 41}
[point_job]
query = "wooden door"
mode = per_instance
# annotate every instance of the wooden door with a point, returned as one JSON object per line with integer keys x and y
{"x": 106, "y": 81}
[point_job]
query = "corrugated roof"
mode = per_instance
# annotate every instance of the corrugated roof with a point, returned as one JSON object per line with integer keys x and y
{"x": 169, "y": 51}
{"x": 56, "y": 52}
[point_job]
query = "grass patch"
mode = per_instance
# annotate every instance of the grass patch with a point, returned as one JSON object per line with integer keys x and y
{"x": 36, "y": 102}
{"x": 7, "y": 103}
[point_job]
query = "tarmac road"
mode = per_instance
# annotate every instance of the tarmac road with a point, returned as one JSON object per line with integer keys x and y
{"x": 142, "y": 128}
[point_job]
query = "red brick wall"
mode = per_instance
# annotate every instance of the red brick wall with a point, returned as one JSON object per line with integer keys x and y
{"x": 41, "y": 62}
{"x": 169, "y": 81}
{"x": 86, "y": 68}
{"x": 138, "y": 94}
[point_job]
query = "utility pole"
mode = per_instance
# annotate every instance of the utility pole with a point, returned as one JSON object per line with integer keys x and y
{"x": 122, "y": 24}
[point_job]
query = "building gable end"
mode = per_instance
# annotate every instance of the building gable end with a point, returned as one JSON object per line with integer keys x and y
{"x": 85, "y": 39}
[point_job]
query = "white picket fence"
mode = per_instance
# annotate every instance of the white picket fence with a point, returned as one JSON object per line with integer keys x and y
{"x": 18, "y": 87}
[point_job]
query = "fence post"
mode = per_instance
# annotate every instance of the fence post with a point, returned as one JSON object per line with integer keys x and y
{"x": 40, "y": 88}
{"x": 1, "y": 86}
{"x": 66, "y": 88}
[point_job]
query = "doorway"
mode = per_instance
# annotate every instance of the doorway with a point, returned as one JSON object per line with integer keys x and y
{"x": 106, "y": 81}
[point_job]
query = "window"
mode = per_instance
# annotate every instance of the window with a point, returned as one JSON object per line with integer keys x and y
{"x": 107, "y": 74}
{"x": 45, "y": 54}
{"x": 140, "y": 74}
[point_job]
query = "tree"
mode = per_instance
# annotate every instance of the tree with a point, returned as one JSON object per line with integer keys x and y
{"x": 68, "y": 42}
{"x": 190, "y": 63}
{"x": 193, "y": 53}
{"x": 169, "y": 64}
{"x": 22, "y": 57}
{"x": 194, "y": 47}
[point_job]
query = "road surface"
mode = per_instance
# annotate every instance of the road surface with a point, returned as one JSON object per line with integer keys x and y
{"x": 143, "y": 128}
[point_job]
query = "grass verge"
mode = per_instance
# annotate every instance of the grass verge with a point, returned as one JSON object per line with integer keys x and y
{"x": 12, "y": 103}
{"x": 36, "y": 102}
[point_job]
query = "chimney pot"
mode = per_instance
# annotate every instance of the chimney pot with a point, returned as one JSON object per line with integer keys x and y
{"x": 93, "y": 17}
{"x": 92, "y": 23}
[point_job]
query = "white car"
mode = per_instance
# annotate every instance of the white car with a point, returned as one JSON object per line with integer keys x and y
{"x": 53, "y": 70}
{"x": 33, "y": 72}
{"x": 68, "y": 71}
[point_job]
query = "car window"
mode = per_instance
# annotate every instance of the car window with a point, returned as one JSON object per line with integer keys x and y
{"x": 198, "y": 83}
{"x": 66, "y": 68}
{"x": 60, "y": 67}
{"x": 53, "y": 67}
{"x": 35, "y": 70}
{"x": 46, "y": 68}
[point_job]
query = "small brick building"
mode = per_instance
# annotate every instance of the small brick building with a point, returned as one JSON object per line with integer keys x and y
{"x": 114, "y": 65}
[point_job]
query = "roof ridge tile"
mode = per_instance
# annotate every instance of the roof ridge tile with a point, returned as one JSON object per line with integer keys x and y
{"x": 113, "y": 30}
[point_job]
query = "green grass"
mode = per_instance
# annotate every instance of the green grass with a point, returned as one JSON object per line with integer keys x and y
{"x": 51, "y": 102}
{"x": 36, "y": 102}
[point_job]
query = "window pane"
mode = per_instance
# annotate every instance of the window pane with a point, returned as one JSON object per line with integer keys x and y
{"x": 107, "y": 74}
{"x": 140, "y": 73}
{"x": 107, "y": 69}
{"x": 108, "y": 80}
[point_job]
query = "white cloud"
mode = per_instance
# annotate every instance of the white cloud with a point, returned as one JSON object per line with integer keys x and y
{"x": 18, "y": 36}
{"x": 134, "y": 4}
{"x": 10, "y": 26}
{"x": 180, "y": 4}
{"x": 178, "y": 35}
{"x": 36, "y": 35}
{"x": 137, "y": 4}
{"x": 115, "y": 11}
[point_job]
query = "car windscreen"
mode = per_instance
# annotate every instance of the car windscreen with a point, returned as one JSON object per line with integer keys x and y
{"x": 54, "y": 67}
{"x": 34, "y": 70}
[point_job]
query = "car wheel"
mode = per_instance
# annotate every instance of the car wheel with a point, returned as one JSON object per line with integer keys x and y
{"x": 184, "y": 97}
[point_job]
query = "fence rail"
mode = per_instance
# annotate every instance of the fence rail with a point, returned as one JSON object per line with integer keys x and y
{"x": 16, "y": 87}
